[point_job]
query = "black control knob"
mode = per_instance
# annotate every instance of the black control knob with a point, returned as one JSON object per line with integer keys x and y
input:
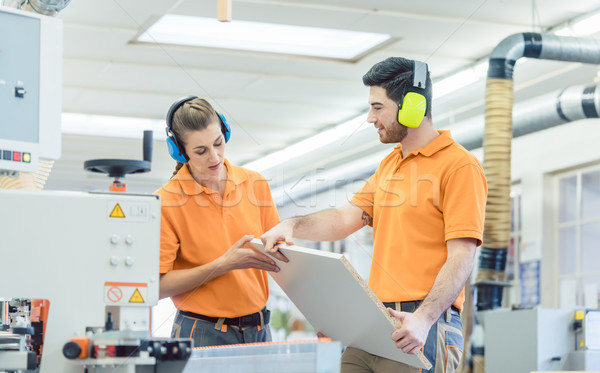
{"x": 23, "y": 330}
{"x": 183, "y": 351}
{"x": 72, "y": 350}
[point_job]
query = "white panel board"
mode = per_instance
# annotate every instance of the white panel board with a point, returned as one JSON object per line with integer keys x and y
{"x": 337, "y": 302}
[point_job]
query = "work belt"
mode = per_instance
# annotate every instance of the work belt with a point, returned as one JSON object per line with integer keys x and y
{"x": 412, "y": 305}
{"x": 258, "y": 318}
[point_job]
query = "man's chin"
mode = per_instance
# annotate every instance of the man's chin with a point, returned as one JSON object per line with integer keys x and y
{"x": 387, "y": 140}
{"x": 384, "y": 140}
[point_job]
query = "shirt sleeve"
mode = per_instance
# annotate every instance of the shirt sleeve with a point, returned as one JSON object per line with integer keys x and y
{"x": 169, "y": 243}
{"x": 465, "y": 197}
{"x": 269, "y": 214}
{"x": 263, "y": 199}
{"x": 365, "y": 197}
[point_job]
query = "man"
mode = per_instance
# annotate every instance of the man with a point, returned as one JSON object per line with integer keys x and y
{"x": 426, "y": 204}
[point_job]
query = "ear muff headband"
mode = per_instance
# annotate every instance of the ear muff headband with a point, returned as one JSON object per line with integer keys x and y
{"x": 225, "y": 128}
{"x": 413, "y": 105}
{"x": 419, "y": 74}
{"x": 176, "y": 151}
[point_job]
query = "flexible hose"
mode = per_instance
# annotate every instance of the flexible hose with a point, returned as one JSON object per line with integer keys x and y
{"x": 497, "y": 139}
{"x": 29, "y": 180}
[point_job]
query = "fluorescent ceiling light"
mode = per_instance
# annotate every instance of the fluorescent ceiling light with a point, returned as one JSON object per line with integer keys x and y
{"x": 459, "y": 80}
{"x": 445, "y": 86}
{"x": 581, "y": 27}
{"x": 111, "y": 126}
{"x": 286, "y": 192}
{"x": 310, "y": 144}
{"x": 262, "y": 37}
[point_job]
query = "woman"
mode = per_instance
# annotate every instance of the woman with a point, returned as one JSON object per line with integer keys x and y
{"x": 210, "y": 209}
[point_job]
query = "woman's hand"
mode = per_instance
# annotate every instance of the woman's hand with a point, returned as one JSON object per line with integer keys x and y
{"x": 239, "y": 257}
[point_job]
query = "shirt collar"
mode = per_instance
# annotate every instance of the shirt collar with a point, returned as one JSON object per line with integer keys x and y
{"x": 439, "y": 143}
{"x": 235, "y": 175}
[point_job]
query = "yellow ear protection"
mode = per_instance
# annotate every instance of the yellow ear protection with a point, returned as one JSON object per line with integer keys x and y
{"x": 175, "y": 149}
{"x": 413, "y": 105}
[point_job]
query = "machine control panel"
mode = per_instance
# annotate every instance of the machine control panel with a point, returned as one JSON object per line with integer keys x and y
{"x": 20, "y": 92}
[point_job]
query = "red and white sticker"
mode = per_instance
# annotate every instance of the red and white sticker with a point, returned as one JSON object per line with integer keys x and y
{"x": 130, "y": 293}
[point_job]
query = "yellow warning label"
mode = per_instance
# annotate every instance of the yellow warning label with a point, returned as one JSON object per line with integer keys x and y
{"x": 117, "y": 212}
{"x": 579, "y": 315}
{"x": 136, "y": 297}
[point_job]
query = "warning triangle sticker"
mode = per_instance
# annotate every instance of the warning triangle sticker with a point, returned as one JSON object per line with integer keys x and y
{"x": 117, "y": 212}
{"x": 136, "y": 297}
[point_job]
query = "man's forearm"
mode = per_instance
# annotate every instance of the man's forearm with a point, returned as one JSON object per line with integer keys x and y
{"x": 319, "y": 226}
{"x": 448, "y": 283}
{"x": 332, "y": 224}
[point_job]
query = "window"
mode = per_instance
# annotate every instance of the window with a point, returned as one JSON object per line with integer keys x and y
{"x": 577, "y": 237}
{"x": 512, "y": 257}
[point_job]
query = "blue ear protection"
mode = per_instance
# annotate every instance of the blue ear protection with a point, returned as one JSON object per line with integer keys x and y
{"x": 176, "y": 151}
{"x": 413, "y": 105}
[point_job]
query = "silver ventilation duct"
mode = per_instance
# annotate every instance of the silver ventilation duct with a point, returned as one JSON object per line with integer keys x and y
{"x": 46, "y": 7}
{"x": 550, "y": 110}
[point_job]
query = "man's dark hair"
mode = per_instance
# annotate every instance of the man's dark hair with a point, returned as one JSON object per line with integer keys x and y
{"x": 395, "y": 75}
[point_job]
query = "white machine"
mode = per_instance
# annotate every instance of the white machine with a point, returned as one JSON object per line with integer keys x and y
{"x": 89, "y": 260}
{"x": 94, "y": 258}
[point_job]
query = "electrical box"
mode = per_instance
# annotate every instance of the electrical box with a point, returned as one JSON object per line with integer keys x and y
{"x": 30, "y": 89}
{"x": 522, "y": 341}
{"x": 541, "y": 339}
{"x": 587, "y": 329}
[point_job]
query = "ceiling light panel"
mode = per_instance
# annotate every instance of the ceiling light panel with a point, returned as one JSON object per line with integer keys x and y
{"x": 262, "y": 37}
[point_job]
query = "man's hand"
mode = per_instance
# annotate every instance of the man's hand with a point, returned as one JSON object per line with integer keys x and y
{"x": 282, "y": 232}
{"x": 412, "y": 335}
{"x": 238, "y": 257}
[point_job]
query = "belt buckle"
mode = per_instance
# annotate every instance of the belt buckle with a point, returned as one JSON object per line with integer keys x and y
{"x": 245, "y": 320}
{"x": 409, "y": 306}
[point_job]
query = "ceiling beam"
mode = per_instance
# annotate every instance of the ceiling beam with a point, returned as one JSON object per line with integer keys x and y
{"x": 380, "y": 12}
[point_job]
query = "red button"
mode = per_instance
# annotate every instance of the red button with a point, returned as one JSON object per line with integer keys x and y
{"x": 17, "y": 156}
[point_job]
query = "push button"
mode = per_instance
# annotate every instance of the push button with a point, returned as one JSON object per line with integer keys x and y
{"x": 7, "y": 155}
{"x": 17, "y": 156}
{"x": 27, "y": 157}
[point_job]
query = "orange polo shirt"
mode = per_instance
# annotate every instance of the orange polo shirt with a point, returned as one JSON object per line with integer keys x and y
{"x": 417, "y": 203}
{"x": 198, "y": 226}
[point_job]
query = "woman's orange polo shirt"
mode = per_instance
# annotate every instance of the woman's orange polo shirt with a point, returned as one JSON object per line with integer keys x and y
{"x": 198, "y": 226}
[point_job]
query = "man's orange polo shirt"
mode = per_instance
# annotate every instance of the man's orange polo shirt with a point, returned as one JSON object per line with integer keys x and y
{"x": 434, "y": 194}
{"x": 198, "y": 226}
